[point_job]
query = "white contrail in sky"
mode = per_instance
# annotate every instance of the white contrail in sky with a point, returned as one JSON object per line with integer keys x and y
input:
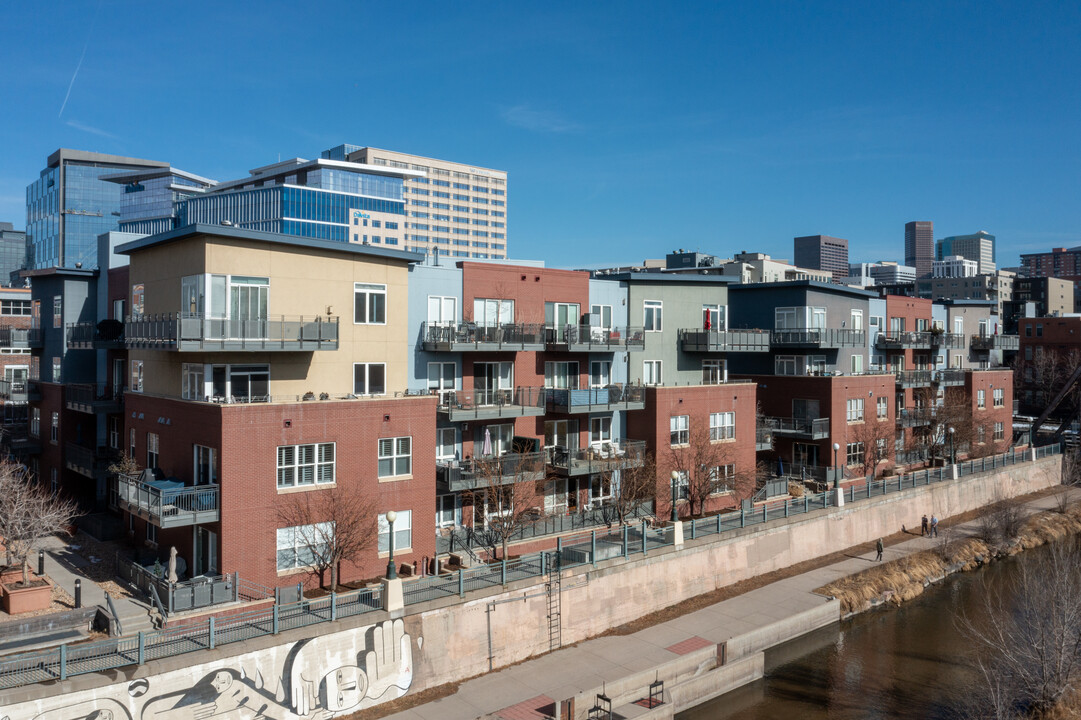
{"x": 80, "y": 63}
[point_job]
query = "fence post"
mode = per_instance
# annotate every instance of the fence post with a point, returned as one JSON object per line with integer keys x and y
{"x": 276, "y": 618}
{"x": 742, "y": 518}
{"x": 644, "y": 549}
{"x": 236, "y": 586}
{"x": 543, "y": 563}
{"x": 503, "y": 571}
{"x": 593, "y": 546}
{"x": 461, "y": 582}
{"x": 718, "y": 523}
{"x": 625, "y": 538}
{"x": 765, "y": 512}
{"x": 333, "y": 606}
{"x": 210, "y": 630}
{"x": 64, "y": 661}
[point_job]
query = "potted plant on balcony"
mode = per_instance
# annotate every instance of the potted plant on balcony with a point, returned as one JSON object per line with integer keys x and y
{"x": 28, "y": 514}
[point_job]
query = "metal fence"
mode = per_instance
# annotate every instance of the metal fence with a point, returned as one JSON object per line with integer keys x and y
{"x": 580, "y": 549}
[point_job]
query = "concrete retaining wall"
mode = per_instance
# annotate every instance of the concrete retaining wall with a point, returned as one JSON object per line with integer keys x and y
{"x": 376, "y": 659}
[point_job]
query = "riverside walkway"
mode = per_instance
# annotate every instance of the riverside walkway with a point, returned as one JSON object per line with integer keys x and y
{"x": 528, "y": 690}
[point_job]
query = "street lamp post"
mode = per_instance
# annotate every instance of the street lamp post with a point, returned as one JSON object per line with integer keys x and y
{"x": 953, "y": 455}
{"x": 675, "y": 492}
{"x": 836, "y": 449}
{"x": 392, "y": 572}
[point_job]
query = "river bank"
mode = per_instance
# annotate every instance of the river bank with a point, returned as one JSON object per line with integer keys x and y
{"x": 999, "y": 533}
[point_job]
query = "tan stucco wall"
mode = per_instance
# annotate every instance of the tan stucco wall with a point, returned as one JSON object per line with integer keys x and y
{"x": 303, "y": 282}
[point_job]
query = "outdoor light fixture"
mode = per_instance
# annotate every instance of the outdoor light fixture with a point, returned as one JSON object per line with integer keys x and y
{"x": 836, "y": 449}
{"x": 953, "y": 455}
{"x": 392, "y": 572}
{"x": 675, "y": 485}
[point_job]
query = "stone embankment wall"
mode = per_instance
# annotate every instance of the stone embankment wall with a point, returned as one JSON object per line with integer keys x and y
{"x": 349, "y": 666}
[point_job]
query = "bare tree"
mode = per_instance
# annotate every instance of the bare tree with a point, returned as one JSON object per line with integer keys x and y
{"x": 124, "y": 465}
{"x": 28, "y": 514}
{"x": 1026, "y": 635}
{"x": 876, "y": 435}
{"x": 334, "y": 525}
{"x": 701, "y": 462}
{"x": 1002, "y": 522}
{"x": 636, "y": 486}
{"x": 505, "y": 498}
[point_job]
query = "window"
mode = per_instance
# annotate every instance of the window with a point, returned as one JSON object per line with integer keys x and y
{"x": 205, "y": 465}
{"x": 713, "y": 372}
{"x": 722, "y": 426}
{"x": 720, "y": 478}
{"x": 369, "y": 304}
{"x": 114, "y": 432}
{"x": 1000, "y": 431}
{"x": 981, "y": 432}
{"x": 131, "y": 442}
{"x": 857, "y": 364}
{"x": 999, "y": 397}
{"x": 603, "y": 315}
{"x": 15, "y": 307}
{"x": 981, "y": 399}
{"x": 194, "y": 386}
{"x": 395, "y": 456}
{"x": 54, "y": 431}
{"x": 713, "y": 317}
{"x": 786, "y": 318}
{"x": 855, "y": 409}
{"x": 883, "y": 411}
{"x": 446, "y": 511}
{"x": 854, "y": 454}
{"x": 441, "y": 379}
{"x": 562, "y": 375}
{"x": 488, "y": 312}
{"x": 788, "y": 365}
{"x": 652, "y": 311}
{"x": 600, "y": 430}
{"x": 683, "y": 484}
{"x": 57, "y": 366}
{"x": 442, "y": 310}
{"x": 35, "y": 422}
{"x": 651, "y": 372}
{"x": 136, "y": 376}
{"x": 882, "y": 448}
{"x": 403, "y": 531}
{"x": 680, "y": 429}
{"x": 600, "y": 373}
{"x": 1028, "y": 330}
{"x": 446, "y": 444}
{"x": 299, "y": 546}
{"x": 370, "y": 378}
{"x": 300, "y": 465}
{"x": 857, "y": 319}
{"x": 58, "y": 311}
{"x": 151, "y": 450}
{"x": 152, "y": 533}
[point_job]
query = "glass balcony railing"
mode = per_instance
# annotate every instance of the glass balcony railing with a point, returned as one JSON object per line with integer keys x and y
{"x": 803, "y": 428}
{"x": 486, "y": 472}
{"x": 198, "y": 333}
{"x": 818, "y": 337}
{"x": 585, "y": 338}
{"x": 488, "y": 404}
{"x": 465, "y": 337}
{"x": 167, "y": 503}
{"x": 611, "y": 397}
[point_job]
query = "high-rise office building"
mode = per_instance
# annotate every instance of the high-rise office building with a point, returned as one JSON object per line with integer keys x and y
{"x": 822, "y": 252}
{"x": 979, "y": 246}
{"x": 920, "y": 246}
{"x": 70, "y": 204}
{"x": 12, "y": 253}
{"x": 451, "y": 209}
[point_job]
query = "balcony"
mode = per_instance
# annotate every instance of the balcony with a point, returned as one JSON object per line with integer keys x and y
{"x": 93, "y": 398}
{"x": 605, "y": 399}
{"x": 825, "y": 338}
{"x": 460, "y": 405}
{"x": 481, "y": 473}
{"x": 88, "y": 462}
{"x": 167, "y": 503}
{"x": 88, "y": 336}
{"x": 919, "y": 340}
{"x": 710, "y": 341}
{"x": 763, "y": 439}
{"x": 19, "y": 442}
{"x": 195, "y": 333}
{"x": 915, "y": 417}
{"x": 469, "y": 337}
{"x": 33, "y": 390}
{"x": 995, "y": 342}
{"x": 597, "y": 458}
{"x": 19, "y": 338}
{"x": 799, "y": 428}
{"x": 585, "y": 338}
{"x": 14, "y": 392}
{"x": 913, "y": 378}
{"x": 950, "y": 341}
{"x": 951, "y": 377}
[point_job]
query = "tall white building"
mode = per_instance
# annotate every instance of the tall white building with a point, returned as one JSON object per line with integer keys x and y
{"x": 954, "y": 266}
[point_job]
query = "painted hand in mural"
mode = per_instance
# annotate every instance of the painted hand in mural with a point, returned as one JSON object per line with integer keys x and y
{"x": 389, "y": 663}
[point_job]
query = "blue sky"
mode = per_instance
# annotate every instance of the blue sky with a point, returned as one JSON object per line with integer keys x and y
{"x": 628, "y": 129}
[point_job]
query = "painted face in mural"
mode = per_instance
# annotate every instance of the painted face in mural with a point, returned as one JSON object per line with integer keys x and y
{"x": 343, "y": 688}
{"x": 221, "y": 682}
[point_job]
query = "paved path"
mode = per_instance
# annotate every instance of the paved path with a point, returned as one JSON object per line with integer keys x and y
{"x": 522, "y": 690}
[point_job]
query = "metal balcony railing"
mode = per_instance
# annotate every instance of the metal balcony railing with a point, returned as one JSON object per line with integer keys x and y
{"x": 919, "y": 340}
{"x": 612, "y": 397}
{"x": 487, "y": 404}
{"x": 19, "y": 338}
{"x": 585, "y": 338}
{"x": 93, "y": 397}
{"x": 763, "y": 438}
{"x": 167, "y": 503}
{"x": 596, "y": 458}
{"x": 995, "y": 342}
{"x": 89, "y": 462}
{"x": 914, "y": 378}
{"x": 86, "y": 336}
{"x": 816, "y": 429}
{"x": 13, "y": 391}
{"x": 176, "y": 331}
{"x": 474, "y": 473}
{"x": 914, "y": 417}
{"x": 950, "y": 376}
{"x": 436, "y": 337}
{"x": 818, "y": 337}
{"x": 691, "y": 340}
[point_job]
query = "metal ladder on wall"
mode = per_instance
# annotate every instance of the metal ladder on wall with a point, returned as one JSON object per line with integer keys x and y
{"x": 554, "y": 589}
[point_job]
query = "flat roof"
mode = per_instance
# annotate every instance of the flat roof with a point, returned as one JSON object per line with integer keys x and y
{"x": 662, "y": 277}
{"x": 809, "y": 284}
{"x": 288, "y": 167}
{"x": 228, "y": 231}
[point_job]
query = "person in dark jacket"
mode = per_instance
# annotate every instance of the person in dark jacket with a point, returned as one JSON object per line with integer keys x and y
{"x": 878, "y": 549}
{"x": 924, "y": 528}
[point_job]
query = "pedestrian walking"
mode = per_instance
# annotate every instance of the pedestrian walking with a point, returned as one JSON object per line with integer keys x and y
{"x": 934, "y": 526}
{"x": 878, "y": 549}
{"x": 923, "y": 526}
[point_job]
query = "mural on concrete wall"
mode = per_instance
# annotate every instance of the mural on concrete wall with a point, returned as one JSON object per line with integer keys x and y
{"x": 320, "y": 677}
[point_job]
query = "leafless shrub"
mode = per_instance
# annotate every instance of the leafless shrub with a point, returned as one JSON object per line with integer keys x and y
{"x": 28, "y": 514}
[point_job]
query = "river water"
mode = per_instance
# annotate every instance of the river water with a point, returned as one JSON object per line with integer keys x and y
{"x": 906, "y": 662}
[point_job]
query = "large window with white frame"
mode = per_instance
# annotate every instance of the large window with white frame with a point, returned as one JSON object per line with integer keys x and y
{"x": 442, "y": 310}
{"x": 981, "y": 399}
{"x": 651, "y": 372}
{"x": 136, "y": 376}
{"x": 447, "y": 511}
{"x": 1000, "y": 431}
{"x": 600, "y": 373}
{"x": 152, "y": 450}
{"x": 652, "y": 315}
{"x": 713, "y": 317}
{"x": 882, "y": 410}
{"x": 403, "y": 531}
{"x": 788, "y": 365}
{"x": 446, "y": 444}
{"x": 303, "y": 465}
{"x": 395, "y": 456}
{"x": 300, "y": 545}
{"x": 561, "y": 374}
{"x": 999, "y": 397}
{"x": 204, "y": 465}
{"x": 855, "y": 410}
{"x": 492, "y": 312}
{"x": 722, "y": 426}
{"x": 857, "y": 364}
{"x": 679, "y": 426}
{"x": 193, "y": 378}
{"x": 601, "y": 316}
{"x": 600, "y": 430}
{"x": 713, "y": 372}
{"x": 441, "y": 379}
{"x": 369, "y": 304}
{"x": 369, "y": 378}
{"x": 854, "y": 454}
